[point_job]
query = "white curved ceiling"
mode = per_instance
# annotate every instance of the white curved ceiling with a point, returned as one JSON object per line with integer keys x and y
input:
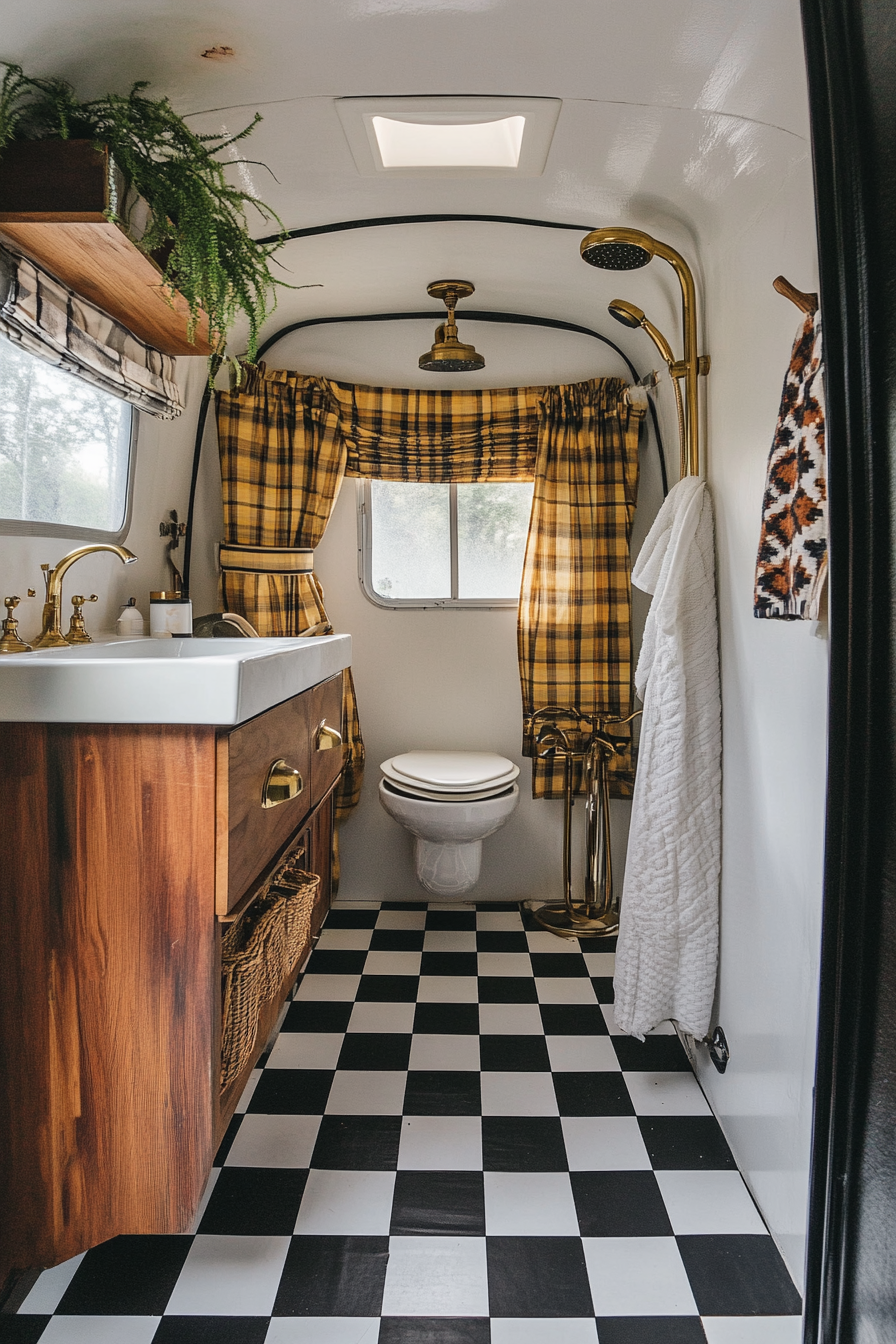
{"x": 680, "y": 116}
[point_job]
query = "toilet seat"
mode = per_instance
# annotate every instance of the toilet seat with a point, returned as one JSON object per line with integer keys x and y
{"x": 458, "y": 776}
{"x": 433, "y": 797}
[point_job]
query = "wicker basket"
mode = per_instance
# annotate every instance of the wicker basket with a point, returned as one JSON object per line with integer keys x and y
{"x": 257, "y": 952}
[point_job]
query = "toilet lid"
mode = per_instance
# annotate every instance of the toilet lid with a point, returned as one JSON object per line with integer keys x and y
{"x": 464, "y": 771}
{"x": 442, "y": 791}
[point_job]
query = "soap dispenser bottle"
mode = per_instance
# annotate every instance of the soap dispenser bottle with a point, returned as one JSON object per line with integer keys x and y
{"x": 130, "y": 622}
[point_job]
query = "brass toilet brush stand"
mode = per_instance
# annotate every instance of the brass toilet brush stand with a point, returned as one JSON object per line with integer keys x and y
{"x": 597, "y": 916}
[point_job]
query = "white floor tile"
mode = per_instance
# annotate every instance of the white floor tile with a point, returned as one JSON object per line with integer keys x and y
{"x": 510, "y": 1019}
{"x": 578, "y": 1054}
{"x": 229, "y": 1276}
{"x": 274, "y": 1141}
{"x": 703, "y": 1203}
{"x": 344, "y": 940}
{"x": 637, "y": 1276}
{"x": 246, "y": 1095}
{"x": 203, "y": 1202}
{"x": 445, "y": 1052}
{"x": 666, "y": 1094}
{"x": 529, "y": 1204}
{"x": 306, "y": 1050}
{"x": 347, "y": 1203}
{"x": 564, "y": 989}
{"x": 324, "y": 1329}
{"x": 613, "y": 1027}
{"x": 498, "y": 921}
{"x": 449, "y": 940}
{"x": 600, "y": 964}
{"x": 518, "y": 1094}
{"x": 333, "y": 988}
{"x": 743, "y": 1330}
{"x": 101, "y": 1329}
{"x": 367, "y": 1092}
{"x": 392, "y": 963}
{"x": 571, "y": 1330}
{"x": 604, "y": 1143}
{"x": 397, "y": 1018}
{"x": 448, "y": 989}
{"x": 47, "y": 1293}
{"x": 504, "y": 963}
{"x": 440, "y": 1143}
{"x": 540, "y": 940}
{"x": 401, "y": 919}
{"x": 436, "y": 1276}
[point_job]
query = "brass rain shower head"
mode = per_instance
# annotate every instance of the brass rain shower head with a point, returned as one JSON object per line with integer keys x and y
{"x": 448, "y": 354}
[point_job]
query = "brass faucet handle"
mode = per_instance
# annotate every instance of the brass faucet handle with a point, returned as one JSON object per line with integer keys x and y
{"x": 10, "y": 641}
{"x": 77, "y": 631}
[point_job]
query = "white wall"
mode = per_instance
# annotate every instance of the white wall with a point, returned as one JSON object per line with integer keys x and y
{"x": 774, "y": 686}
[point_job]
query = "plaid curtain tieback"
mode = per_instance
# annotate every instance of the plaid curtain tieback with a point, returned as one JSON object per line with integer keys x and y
{"x": 266, "y": 559}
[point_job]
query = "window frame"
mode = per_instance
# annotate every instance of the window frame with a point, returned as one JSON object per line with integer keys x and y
{"x": 365, "y": 563}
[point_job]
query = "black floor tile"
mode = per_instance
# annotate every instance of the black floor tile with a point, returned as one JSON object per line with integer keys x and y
{"x": 523, "y": 1143}
{"x": 255, "y": 1202}
{"x": 211, "y": 1330}
{"x": 537, "y": 1276}
{"x": 448, "y": 963}
{"x": 333, "y": 1276}
{"x": 325, "y": 962}
{"x": 650, "y": 1330}
{"x": 462, "y": 920}
{"x": 311, "y": 1015}
{"x": 447, "y": 1019}
{"x": 501, "y": 941}
{"x": 619, "y": 1204}
{"x": 592, "y": 1094}
{"x": 738, "y": 1276}
{"x": 351, "y": 919}
{"x": 357, "y": 1143}
{"x": 685, "y": 1143}
{"x": 514, "y": 1054}
{"x": 128, "y": 1276}
{"x": 227, "y": 1142}
{"x": 372, "y": 1050}
{"x": 397, "y": 940}
{"x": 656, "y": 1054}
{"x": 603, "y": 988}
{"x": 388, "y": 989}
{"x": 547, "y": 965}
{"x": 448, "y": 1092}
{"x": 434, "y": 1330}
{"x": 438, "y": 1204}
{"x": 291, "y": 1092}
{"x": 25, "y": 1329}
{"x": 573, "y": 1019}
{"x": 507, "y": 989}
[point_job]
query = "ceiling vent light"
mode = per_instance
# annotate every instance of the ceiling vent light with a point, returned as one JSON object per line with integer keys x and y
{"x": 448, "y": 354}
{"x": 449, "y": 137}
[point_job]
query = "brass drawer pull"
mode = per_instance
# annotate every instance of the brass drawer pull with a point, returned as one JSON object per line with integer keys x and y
{"x": 283, "y": 783}
{"x": 326, "y": 737}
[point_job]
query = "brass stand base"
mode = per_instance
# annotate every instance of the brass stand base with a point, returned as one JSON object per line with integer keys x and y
{"x": 557, "y": 919}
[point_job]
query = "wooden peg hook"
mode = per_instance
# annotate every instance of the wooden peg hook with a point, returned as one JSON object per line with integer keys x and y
{"x": 807, "y": 303}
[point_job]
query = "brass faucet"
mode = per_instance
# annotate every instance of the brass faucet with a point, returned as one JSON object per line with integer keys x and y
{"x": 51, "y": 636}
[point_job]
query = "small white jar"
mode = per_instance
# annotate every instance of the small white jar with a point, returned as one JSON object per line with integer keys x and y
{"x": 130, "y": 621}
{"x": 170, "y": 615}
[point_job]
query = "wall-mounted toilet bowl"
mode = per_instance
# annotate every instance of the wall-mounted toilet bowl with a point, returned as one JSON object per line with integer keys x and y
{"x": 450, "y": 801}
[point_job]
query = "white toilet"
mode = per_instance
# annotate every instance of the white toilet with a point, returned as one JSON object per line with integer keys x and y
{"x": 449, "y": 800}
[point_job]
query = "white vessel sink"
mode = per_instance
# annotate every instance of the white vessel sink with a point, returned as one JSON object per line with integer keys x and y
{"x": 223, "y": 681}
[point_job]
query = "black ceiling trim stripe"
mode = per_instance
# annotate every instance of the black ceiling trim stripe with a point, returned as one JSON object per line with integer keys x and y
{"x": 382, "y": 221}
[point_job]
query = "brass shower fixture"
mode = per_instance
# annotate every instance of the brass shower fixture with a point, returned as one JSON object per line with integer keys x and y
{"x": 623, "y": 249}
{"x": 448, "y": 354}
{"x": 631, "y": 316}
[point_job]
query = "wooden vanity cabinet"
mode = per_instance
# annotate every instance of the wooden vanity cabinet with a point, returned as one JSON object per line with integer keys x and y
{"x": 120, "y": 840}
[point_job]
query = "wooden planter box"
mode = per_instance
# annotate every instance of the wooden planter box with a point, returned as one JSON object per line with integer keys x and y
{"x": 52, "y": 197}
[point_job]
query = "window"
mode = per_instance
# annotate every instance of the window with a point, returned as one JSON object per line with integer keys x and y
{"x": 65, "y": 450}
{"x": 443, "y": 545}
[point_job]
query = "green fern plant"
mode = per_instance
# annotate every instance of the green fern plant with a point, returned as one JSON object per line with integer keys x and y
{"x": 198, "y": 217}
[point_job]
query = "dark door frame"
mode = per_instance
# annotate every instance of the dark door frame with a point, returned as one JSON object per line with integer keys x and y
{"x": 851, "y": 1259}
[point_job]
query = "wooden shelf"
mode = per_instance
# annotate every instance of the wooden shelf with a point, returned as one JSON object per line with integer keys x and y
{"x": 52, "y": 197}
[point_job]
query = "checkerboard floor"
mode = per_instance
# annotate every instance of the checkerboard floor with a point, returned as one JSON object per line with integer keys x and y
{"x": 449, "y": 1142}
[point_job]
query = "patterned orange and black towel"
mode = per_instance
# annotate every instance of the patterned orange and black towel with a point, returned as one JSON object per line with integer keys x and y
{"x": 792, "y": 560}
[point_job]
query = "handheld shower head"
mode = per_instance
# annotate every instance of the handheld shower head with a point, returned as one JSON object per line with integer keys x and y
{"x": 618, "y": 249}
{"x": 626, "y": 313}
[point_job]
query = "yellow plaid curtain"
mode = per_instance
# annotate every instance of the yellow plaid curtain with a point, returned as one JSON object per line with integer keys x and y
{"x": 574, "y": 632}
{"x": 282, "y": 462}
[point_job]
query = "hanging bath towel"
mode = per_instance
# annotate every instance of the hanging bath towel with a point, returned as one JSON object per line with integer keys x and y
{"x": 667, "y": 952}
{"x": 793, "y": 546}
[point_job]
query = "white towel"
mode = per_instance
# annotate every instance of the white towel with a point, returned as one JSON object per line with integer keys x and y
{"x": 667, "y": 954}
